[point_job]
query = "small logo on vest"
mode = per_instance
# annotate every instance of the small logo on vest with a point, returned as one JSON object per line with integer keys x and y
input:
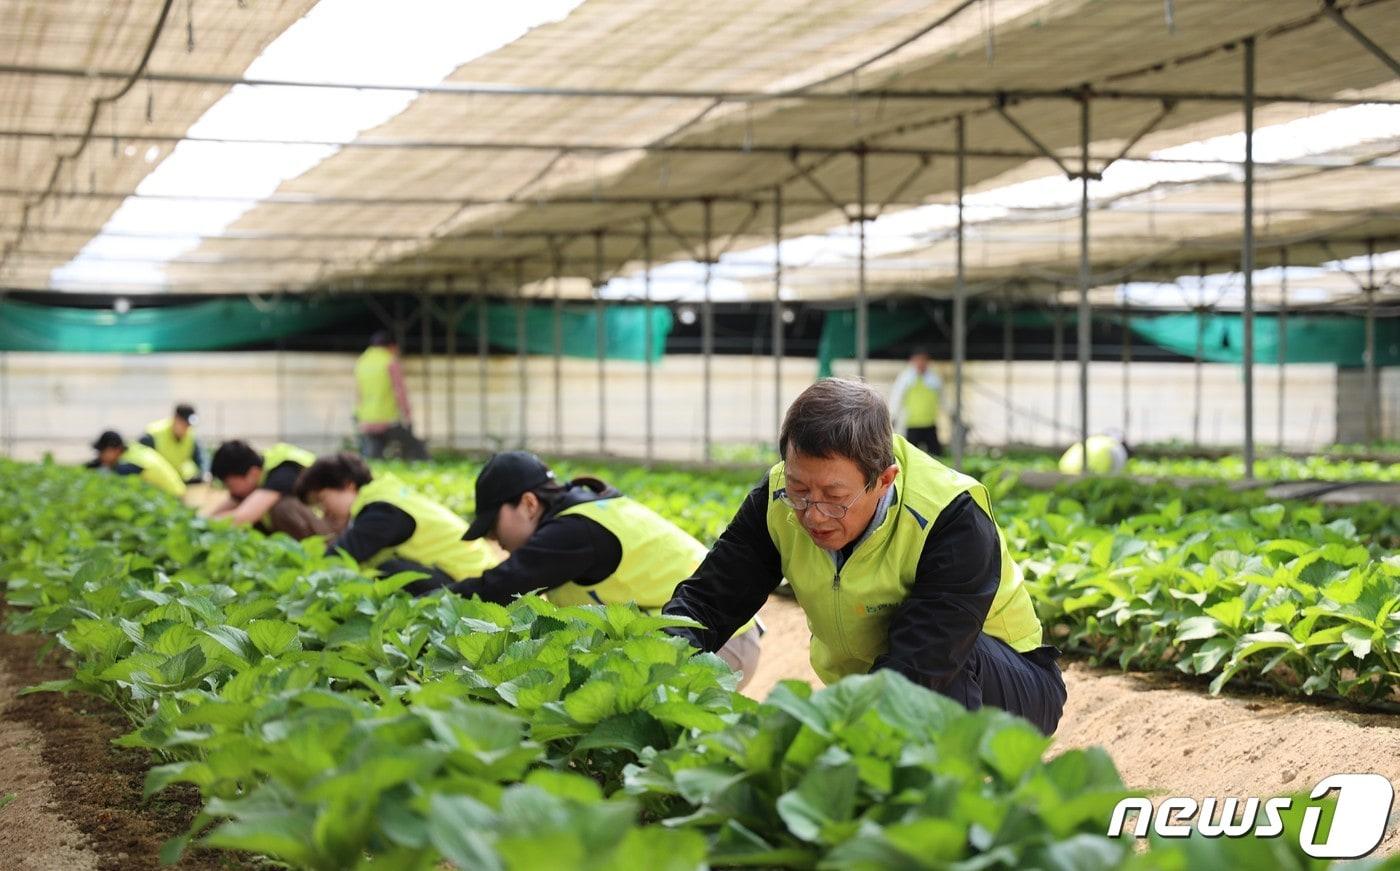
{"x": 874, "y": 609}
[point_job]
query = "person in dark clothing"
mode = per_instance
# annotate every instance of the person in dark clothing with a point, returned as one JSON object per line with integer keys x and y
{"x": 895, "y": 559}
{"x": 390, "y": 527}
{"x": 261, "y": 488}
{"x": 116, "y": 456}
{"x": 582, "y": 542}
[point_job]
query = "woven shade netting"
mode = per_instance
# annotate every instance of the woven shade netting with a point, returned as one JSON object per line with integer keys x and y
{"x": 418, "y": 207}
{"x": 1303, "y": 215}
{"x": 77, "y": 35}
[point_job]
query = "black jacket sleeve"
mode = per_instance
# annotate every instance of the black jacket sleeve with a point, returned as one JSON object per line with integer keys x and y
{"x": 735, "y": 579}
{"x": 148, "y": 440}
{"x": 563, "y": 549}
{"x": 379, "y": 525}
{"x": 283, "y": 478}
{"x": 933, "y": 630}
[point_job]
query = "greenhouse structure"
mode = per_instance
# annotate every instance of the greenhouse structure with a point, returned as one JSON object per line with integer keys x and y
{"x": 1120, "y": 278}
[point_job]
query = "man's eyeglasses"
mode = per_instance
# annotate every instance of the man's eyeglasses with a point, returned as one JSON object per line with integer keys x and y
{"x": 834, "y": 510}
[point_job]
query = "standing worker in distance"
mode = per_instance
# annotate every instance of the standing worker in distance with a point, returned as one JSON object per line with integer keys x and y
{"x": 895, "y": 558}
{"x": 390, "y": 527}
{"x": 115, "y": 455}
{"x": 262, "y": 488}
{"x": 382, "y": 412}
{"x": 914, "y": 403}
{"x": 174, "y": 439}
{"x": 583, "y": 542}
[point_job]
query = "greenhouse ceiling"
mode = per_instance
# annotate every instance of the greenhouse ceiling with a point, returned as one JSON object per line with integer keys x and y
{"x": 217, "y": 147}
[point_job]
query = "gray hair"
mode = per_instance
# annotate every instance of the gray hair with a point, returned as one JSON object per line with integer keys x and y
{"x": 841, "y": 417}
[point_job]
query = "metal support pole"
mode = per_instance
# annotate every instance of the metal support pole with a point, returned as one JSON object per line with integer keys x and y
{"x": 707, "y": 325}
{"x": 425, "y": 332}
{"x": 1200, "y": 355}
{"x": 1008, "y": 356}
{"x": 1247, "y": 258}
{"x": 1373, "y": 384}
{"x": 778, "y": 333}
{"x": 862, "y": 302}
{"x": 1125, "y": 366}
{"x": 1085, "y": 315}
{"x": 1057, "y": 354}
{"x": 557, "y": 307}
{"x": 1282, "y": 338}
{"x": 6, "y": 419}
{"x": 650, "y": 396}
{"x": 522, "y": 354}
{"x": 959, "y": 296}
{"x": 483, "y": 362}
{"x": 602, "y": 342}
{"x": 454, "y": 314}
{"x": 282, "y": 386}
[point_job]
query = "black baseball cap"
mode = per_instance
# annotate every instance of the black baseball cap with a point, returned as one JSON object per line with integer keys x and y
{"x": 185, "y": 412}
{"x": 505, "y": 478}
{"x": 109, "y": 439}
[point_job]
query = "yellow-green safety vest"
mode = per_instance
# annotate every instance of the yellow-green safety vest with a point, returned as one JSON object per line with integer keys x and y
{"x": 154, "y": 469}
{"x": 1101, "y": 459}
{"x": 377, "y": 402}
{"x": 920, "y": 404}
{"x": 849, "y": 612}
{"x": 437, "y": 533}
{"x": 179, "y": 453}
{"x": 284, "y": 453}
{"x": 656, "y": 556}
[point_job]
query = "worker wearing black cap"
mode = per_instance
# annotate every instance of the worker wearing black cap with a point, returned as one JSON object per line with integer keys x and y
{"x": 583, "y": 542}
{"x": 115, "y": 455}
{"x": 174, "y": 439}
{"x": 389, "y": 526}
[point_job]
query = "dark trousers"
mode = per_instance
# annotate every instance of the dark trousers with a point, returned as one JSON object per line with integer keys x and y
{"x": 436, "y": 578}
{"x": 398, "y": 441}
{"x": 1026, "y": 684}
{"x": 925, "y": 438}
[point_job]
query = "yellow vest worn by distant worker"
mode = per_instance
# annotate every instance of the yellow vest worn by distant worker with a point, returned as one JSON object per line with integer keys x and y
{"x": 284, "y": 453}
{"x": 849, "y": 612}
{"x": 1101, "y": 456}
{"x": 920, "y": 404}
{"x": 179, "y": 453}
{"x": 154, "y": 469}
{"x": 437, "y": 535}
{"x": 377, "y": 401}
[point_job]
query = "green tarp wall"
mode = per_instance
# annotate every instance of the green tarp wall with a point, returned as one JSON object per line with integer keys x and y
{"x": 1335, "y": 339}
{"x": 230, "y": 323}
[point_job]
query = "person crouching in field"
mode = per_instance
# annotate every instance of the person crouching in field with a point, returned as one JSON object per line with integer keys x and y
{"x": 390, "y": 527}
{"x": 895, "y": 558}
{"x": 116, "y": 456}
{"x": 261, "y": 488}
{"x": 583, "y": 542}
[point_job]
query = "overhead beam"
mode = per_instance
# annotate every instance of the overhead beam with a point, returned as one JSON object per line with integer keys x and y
{"x": 496, "y": 89}
{"x": 736, "y": 149}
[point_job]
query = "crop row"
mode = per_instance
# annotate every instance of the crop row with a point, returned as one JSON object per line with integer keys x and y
{"x": 1222, "y": 584}
{"x": 329, "y": 721}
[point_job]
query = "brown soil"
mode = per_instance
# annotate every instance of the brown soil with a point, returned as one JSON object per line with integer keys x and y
{"x": 1168, "y": 736}
{"x": 78, "y": 803}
